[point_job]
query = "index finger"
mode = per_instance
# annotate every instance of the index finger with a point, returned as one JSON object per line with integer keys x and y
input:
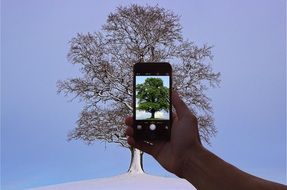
{"x": 129, "y": 121}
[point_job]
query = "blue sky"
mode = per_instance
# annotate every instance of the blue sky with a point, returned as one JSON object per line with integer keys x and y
{"x": 249, "y": 108}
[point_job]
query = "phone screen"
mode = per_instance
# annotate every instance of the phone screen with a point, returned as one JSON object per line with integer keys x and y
{"x": 152, "y": 101}
{"x": 152, "y": 97}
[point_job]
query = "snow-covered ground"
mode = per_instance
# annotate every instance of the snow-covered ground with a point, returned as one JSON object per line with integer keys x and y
{"x": 127, "y": 181}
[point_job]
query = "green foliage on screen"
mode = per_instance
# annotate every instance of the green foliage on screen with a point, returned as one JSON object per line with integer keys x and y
{"x": 153, "y": 96}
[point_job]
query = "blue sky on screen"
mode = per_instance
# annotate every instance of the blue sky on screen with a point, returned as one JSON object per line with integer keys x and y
{"x": 249, "y": 48}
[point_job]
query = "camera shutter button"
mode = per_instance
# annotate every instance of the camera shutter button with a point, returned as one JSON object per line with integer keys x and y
{"x": 152, "y": 127}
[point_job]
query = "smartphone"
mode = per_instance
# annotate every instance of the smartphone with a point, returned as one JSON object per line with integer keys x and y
{"x": 152, "y": 106}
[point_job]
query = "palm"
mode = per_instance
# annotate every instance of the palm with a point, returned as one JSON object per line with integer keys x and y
{"x": 183, "y": 135}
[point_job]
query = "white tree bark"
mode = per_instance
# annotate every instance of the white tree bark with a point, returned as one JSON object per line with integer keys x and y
{"x": 136, "y": 166}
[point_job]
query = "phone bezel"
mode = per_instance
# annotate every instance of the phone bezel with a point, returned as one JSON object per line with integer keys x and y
{"x": 152, "y": 68}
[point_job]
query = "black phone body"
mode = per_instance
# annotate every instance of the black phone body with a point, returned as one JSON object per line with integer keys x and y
{"x": 152, "y": 106}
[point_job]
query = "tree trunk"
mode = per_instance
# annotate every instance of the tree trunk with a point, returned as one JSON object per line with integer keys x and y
{"x": 136, "y": 165}
{"x": 152, "y": 114}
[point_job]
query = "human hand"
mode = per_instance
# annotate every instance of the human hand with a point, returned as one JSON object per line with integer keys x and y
{"x": 184, "y": 156}
{"x": 172, "y": 154}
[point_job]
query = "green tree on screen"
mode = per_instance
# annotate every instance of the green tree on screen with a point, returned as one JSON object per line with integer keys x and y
{"x": 152, "y": 96}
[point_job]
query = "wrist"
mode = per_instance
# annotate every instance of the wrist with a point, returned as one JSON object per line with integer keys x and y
{"x": 190, "y": 160}
{"x": 201, "y": 166}
{"x": 195, "y": 168}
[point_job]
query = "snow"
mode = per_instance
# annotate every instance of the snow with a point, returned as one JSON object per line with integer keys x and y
{"x": 127, "y": 181}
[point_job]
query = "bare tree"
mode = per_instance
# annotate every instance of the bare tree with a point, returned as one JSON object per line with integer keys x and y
{"x": 135, "y": 34}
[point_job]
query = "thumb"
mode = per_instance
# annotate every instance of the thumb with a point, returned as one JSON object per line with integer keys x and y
{"x": 180, "y": 107}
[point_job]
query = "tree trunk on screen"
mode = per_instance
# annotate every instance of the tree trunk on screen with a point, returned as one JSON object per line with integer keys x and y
{"x": 152, "y": 115}
{"x": 136, "y": 165}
